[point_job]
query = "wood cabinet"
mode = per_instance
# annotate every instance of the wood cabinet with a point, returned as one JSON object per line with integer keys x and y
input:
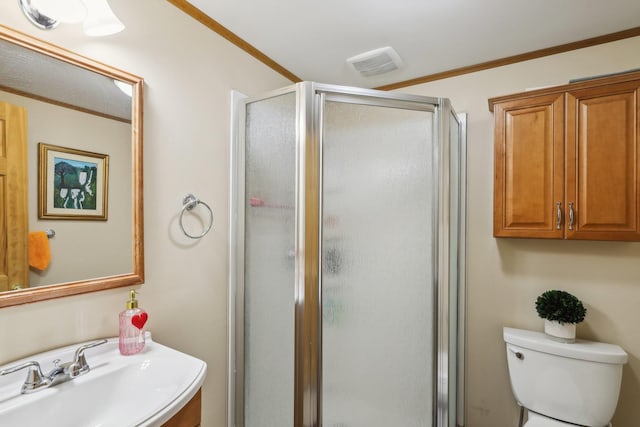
{"x": 566, "y": 161}
{"x": 189, "y": 415}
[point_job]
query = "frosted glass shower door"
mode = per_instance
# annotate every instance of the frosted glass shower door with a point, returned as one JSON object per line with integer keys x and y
{"x": 269, "y": 239}
{"x": 347, "y": 259}
{"x": 377, "y": 266}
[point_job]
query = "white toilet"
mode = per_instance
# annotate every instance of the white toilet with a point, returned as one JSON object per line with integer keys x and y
{"x": 564, "y": 385}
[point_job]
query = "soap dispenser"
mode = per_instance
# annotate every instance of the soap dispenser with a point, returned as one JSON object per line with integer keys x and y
{"x": 132, "y": 322}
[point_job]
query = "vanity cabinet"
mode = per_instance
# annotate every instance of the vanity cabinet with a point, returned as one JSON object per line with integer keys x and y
{"x": 189, "y": 415}
{"x": 566, "y": 161}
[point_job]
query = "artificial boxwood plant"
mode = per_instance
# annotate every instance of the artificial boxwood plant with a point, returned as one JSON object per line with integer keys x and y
{"x": 560, "y": 306}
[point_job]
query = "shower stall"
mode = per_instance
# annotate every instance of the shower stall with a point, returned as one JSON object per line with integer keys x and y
{"x": 347, "y": 259}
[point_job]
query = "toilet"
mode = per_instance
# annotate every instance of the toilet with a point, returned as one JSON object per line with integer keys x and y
{"x": 564, "y": 384}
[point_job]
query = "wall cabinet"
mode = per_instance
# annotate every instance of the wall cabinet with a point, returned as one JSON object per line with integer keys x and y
{"x": 567, "y": 161}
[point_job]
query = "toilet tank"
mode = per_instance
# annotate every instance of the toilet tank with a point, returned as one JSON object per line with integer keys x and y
{"x": 577, "y": 383}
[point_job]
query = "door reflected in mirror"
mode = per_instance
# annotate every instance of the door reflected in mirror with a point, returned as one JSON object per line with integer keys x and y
{"x": 86, "y": 107}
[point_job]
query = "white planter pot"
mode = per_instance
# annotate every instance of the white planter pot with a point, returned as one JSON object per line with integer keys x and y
{"x": 563, "y": 332}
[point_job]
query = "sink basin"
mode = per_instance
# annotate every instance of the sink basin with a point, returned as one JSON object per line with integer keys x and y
{"x": 145, "y": 389}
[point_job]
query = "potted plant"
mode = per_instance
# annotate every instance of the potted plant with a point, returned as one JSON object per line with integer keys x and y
{"x": 561, "y": 312}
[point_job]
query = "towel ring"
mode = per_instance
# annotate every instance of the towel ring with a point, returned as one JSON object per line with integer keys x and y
{"x": 188, "y": 203}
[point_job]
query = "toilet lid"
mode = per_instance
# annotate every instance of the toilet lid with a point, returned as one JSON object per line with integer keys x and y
{"x": 537, "y": 420}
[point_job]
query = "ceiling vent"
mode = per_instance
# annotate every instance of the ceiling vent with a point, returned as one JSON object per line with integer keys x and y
{"x": 374, "y": 62}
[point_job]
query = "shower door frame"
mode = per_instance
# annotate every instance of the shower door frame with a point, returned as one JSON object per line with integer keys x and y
{"x": 310, "y": 98}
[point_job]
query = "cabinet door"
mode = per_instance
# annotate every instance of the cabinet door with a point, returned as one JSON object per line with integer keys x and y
{"x": 603, "y": 186}
{"x": 529, "y": 167}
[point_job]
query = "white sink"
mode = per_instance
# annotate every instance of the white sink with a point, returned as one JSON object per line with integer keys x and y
{"x": 145, "y": 389}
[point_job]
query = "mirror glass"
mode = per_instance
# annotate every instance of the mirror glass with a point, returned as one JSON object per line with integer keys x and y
{"x": 83, "y": 125}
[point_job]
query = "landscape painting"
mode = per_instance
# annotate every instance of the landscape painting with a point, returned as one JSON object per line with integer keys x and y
{"x": 73, "y": 183}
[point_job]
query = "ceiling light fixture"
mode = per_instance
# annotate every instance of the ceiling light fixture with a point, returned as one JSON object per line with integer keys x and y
{"x": 101, "y": 21}
{"x": 126, "y": 88}
{"x": 96, "y": 16}
{"x": 63, "y": 11}
{"x": 36, "y": 17}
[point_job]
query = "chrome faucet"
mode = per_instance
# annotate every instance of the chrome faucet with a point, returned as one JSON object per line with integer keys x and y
{"x": 36, "y": 380}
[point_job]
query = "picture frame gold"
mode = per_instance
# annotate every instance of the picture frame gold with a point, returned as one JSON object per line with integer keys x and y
{"x": 72, "y": 184}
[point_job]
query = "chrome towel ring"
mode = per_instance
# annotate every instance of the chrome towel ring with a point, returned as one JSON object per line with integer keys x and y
{"x": 188, "y": 203}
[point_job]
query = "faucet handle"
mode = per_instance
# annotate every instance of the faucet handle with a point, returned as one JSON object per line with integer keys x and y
{"x": 79, "y": 365}
{"x": 35, "y": 378}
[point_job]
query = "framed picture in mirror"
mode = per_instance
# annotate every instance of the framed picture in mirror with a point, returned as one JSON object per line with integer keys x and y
{"x": 72, "y": 184}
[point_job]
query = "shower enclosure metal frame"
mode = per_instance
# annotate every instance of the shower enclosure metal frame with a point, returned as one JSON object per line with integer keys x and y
{"x": 448, "y": 368}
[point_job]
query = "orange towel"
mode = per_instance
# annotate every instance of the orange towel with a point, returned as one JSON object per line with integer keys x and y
{"x": 39, "y": 254}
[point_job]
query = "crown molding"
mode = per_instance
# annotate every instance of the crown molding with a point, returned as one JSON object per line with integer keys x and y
{"x": 607, "y": 38}
{"x": 215, "y": 26}
{"x": 224, "y": 32}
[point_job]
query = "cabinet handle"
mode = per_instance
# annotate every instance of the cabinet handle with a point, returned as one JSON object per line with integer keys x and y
{"x": 559, "y": 216}
{"x": 570, "y": 215}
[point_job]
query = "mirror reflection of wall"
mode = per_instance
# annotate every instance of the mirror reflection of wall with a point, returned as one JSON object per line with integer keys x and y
{"x": 81, "y": 249}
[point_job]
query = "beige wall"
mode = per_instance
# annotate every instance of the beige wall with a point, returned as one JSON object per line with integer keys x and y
{"x": 506, "y": 275}
{"x": 189, "y": 72}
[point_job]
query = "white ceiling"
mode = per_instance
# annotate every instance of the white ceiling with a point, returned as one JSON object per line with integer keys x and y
{"x": 313, "y": 39}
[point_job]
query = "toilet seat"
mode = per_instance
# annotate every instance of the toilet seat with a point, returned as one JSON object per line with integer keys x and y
{"x": 537, "y": 420}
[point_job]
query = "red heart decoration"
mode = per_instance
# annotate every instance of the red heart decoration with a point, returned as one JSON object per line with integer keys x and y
{"x": 138, "y": 320}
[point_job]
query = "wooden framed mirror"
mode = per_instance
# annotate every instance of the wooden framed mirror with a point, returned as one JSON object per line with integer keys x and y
{"x": 73, "y": 105}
